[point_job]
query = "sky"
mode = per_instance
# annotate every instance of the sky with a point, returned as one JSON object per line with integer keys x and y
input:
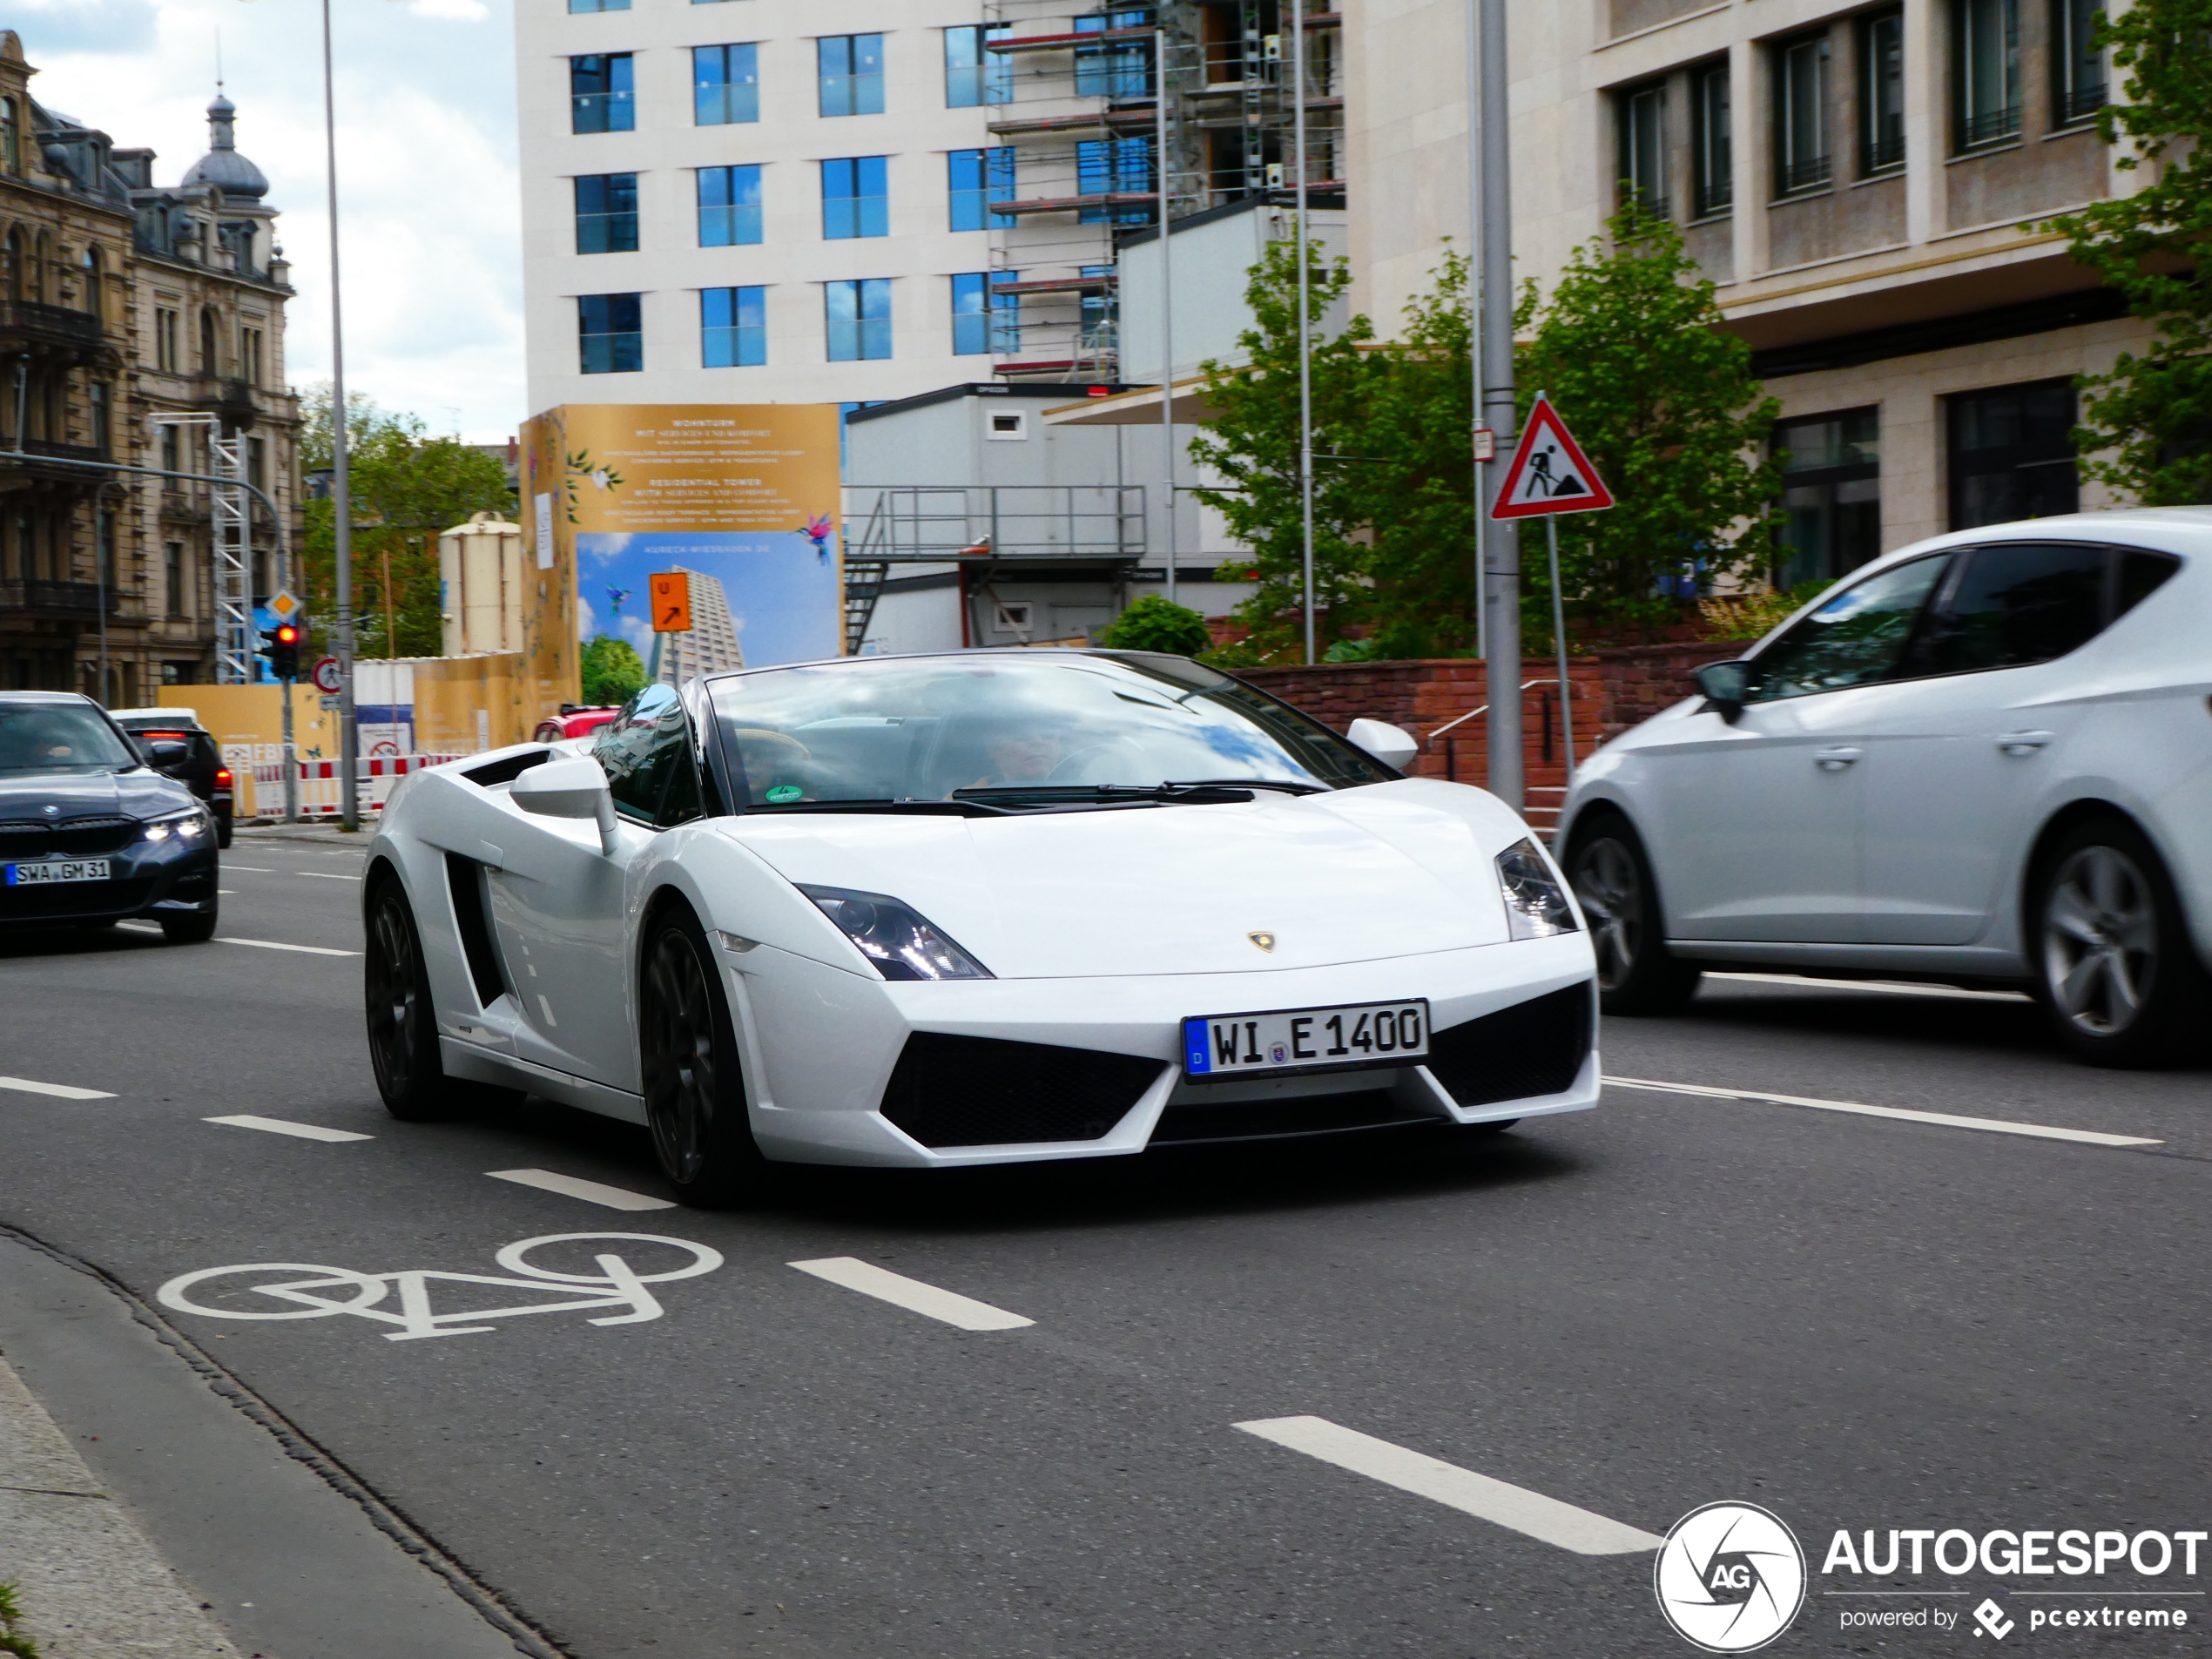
{"x": 429, "y": 199}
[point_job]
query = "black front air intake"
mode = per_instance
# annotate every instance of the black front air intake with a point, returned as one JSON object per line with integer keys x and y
{"x": 979, "y": 1092}
{"x": 1533, "y": 1048}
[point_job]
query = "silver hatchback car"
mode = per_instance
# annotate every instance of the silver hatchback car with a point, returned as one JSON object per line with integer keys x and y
{"x": 1984, "y": 758}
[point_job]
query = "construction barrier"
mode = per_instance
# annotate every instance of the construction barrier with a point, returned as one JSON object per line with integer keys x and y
{"x": 374, "y": 777}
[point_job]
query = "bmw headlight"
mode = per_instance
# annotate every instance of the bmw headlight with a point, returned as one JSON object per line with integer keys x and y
{"x": 901, "y": 942}
{"x": 1536, "y": 905}
{"x": 185, "y": 825}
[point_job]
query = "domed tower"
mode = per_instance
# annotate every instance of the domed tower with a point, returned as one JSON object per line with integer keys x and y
{"x": 246, "y": 224}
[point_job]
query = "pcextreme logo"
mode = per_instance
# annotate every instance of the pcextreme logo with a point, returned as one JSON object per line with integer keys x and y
{"x": 1729, "y": 1577}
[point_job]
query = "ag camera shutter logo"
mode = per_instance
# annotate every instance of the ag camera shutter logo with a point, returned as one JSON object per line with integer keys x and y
{"x": 1729, "y": 1578}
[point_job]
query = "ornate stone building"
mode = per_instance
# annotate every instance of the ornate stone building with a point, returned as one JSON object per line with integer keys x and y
{"x": 121, "y": 301}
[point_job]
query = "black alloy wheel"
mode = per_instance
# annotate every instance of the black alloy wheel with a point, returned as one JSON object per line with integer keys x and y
{"x": 695, "y": 1102}
{"x": 2114, "y": 971}
{"x": 402, "y": 1026}
{"x": 1612, "y": 879}
{"x": 195, "y": 929}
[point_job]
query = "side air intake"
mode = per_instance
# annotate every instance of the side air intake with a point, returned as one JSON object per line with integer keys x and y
{"x": 980, "y": 1091}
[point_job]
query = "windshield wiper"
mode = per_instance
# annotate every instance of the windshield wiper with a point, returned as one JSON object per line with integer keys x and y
{"x": 1288, "y": 785}
{"x": 882, "y": 804}
{"x": 1132, "y": 793}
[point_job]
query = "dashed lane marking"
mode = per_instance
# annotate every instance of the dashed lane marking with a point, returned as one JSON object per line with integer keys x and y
{"x": 570, "y": 1186}
{"x": 256, "y": 869}
{"x": 1545, "y": 1519}
{"x": 285, "y": 1126}
{"x": 912, "y": 1294}
{"x": 1887, "y": 986}
{"x": 325, "y": 875}
{"x": 272, "y": 944}
{"x": 1945, "y": 1120}
{"x": 59, "y": 1091}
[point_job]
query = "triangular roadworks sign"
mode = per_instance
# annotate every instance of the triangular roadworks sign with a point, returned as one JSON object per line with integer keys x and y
{"x": 1550, "y": 473}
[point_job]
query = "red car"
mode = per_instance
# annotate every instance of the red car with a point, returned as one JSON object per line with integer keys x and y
{"x": 572, "y": 722}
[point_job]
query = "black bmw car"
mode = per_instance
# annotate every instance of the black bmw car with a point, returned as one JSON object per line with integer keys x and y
{"x": 89, "y": 833}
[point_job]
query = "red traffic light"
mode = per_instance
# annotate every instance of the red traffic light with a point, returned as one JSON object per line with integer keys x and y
{"x": 286, "y": 634}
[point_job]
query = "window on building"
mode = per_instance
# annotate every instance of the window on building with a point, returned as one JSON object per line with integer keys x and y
{"x": 210, "y": 361}
{"x": 985, "y": 320}
{"x": 2081, "y": 88}
{"x": 726, "y": 85}
{"x": 598, "y": 5}
{"x": 733, "y": 328}
{"x": 974, "y": 75}
{"x": 606, "y": 213}
{"x": 1114, "y": 167}
{"x": 2012, "y": 454}
{"x": 1642, "y": 115}
{"x": 856, "y": 198}
{"x": 975, "y": 178}
{"x": 17, "y": 258}
{"x": 729, "y": 206}
{"x": 600, "y": 93}
{"x": 257, "y": 464}
{"x": 1881, "y": 94}
{"x": 164, "y": 340}
{"x": 1801, "y": 116}
{"x": 1712, "y": 145}
{"x": 858, "y": 316}
{"x": 104, "y": 546}
{"x": 1115, "y": 68}
{"x": 171, "y": 455}
{"x": 39, "y": 267}
{"x": 10, "y": 135}
{"x": 1101, "y": 317}
{"x": 98, "y": 406}
{"x": 1831, "y": 495}
{"x": 851, "y": 71}
{"x": 95, "y": 285}
{"x": 613, "y": 333}
{"x": 172, "y": 568}
{"x": 249, "y": 341}
{"x": 1986, "y": 50}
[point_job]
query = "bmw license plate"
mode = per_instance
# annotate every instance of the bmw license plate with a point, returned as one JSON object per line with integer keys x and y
{"x": 48, "y": 871}
{"x": 1216, "y": 1046}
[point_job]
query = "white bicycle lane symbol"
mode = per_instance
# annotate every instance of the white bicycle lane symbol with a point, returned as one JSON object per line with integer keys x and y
{"x": 318, "y": 1292}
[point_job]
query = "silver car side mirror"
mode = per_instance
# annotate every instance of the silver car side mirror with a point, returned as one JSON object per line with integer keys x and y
{"x": 571, "y": 787}
{"x": 1392, "y": 744}
{"x": 1725, "y": 685}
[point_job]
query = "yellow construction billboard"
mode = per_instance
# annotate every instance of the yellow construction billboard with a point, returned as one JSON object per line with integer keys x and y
{"x": 743, "y": 497}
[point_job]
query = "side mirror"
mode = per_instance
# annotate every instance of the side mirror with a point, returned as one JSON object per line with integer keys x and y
{"x": 1724, "y": 686}
{"x": 1392, "y": 744}
{"x": 167, "y": 752}
{"x": 574, "y": 787}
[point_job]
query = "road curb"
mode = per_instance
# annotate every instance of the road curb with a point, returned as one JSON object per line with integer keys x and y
{"x": 309, "y": 834}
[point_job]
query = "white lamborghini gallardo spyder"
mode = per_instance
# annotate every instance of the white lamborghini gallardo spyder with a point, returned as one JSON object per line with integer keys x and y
{"x": 971, "y": 909}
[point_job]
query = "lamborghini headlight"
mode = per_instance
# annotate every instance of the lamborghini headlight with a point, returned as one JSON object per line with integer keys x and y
{"x": 903, "y": 943}
{"x": 1536, "y": 905}
{"x": 185, "y": 825}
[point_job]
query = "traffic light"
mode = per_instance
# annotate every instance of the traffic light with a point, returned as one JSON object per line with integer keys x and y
{"x": 282, "y": 647}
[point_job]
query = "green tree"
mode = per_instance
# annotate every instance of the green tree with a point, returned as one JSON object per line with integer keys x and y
{"x": 1252, "y": 445}
{"x": 406, "y": 487}
{"x": 1155, "y": 623}
{"x": 2153, "y": 413}
{"x": 612, "y": 672}
{"x": 1630, "y": 346}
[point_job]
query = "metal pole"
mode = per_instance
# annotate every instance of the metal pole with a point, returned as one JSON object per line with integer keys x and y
{"x": 291, "y": 759}
{"x": 340, "y": 501}
{"x": 1304, "y": 339}
{"x": 1559, "y": 641}
{"x": 1501, "y": 652}
{"x": 1474, "y": 298}
{"x": 1162, "y": 176}
{"x": 99, "y": 574}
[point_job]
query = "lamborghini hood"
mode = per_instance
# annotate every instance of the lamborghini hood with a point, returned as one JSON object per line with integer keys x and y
{"x": 1389, "y": 870}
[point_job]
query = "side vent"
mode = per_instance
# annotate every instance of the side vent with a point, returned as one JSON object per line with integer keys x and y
{"x": 507, "y": 769}
{"x": 464, "y": 877}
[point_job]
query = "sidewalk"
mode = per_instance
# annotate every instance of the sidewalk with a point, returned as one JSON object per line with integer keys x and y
{"x": 319, "y": 834}
{"x": 90, "y": 1585}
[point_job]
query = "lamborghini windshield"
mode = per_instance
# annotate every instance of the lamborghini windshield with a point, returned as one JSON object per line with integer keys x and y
{"x": 1020, "y": 730}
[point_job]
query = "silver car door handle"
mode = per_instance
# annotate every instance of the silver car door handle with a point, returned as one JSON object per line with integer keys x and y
{"x": 1836, "y": 759}
{"x": 2024, "y": 742}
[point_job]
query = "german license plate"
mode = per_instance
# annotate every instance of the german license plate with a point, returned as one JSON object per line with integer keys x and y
{"x": 48, "y": 871}
{"x": 1216, "y": 1046}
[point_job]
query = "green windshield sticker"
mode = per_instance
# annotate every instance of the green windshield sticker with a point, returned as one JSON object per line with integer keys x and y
{"x": 782, "y": 795}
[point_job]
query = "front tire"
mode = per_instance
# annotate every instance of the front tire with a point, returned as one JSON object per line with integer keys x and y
{"x": 695, "y": 1098}
{"x": 188, "y": 930}
{"x": 1612, "y": 878}
{"x": 402, "y": 1021}
{"x": 2114, "y": 971}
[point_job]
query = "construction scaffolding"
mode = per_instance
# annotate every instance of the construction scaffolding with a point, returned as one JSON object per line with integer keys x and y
{"x": 232, "y": 550}
{"x": 1078, "y": 124}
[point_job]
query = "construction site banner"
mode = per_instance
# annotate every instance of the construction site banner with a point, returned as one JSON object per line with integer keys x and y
{"x": 742, "y": 497}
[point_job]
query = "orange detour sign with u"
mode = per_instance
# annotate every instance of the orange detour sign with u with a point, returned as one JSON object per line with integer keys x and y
{"x": 671, "y": 598}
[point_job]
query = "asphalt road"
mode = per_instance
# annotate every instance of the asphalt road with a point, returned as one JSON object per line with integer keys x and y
{"x": 1857, "y": 1321}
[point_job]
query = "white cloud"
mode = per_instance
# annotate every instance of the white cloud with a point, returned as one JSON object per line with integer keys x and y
{"x": 428, "y": 192}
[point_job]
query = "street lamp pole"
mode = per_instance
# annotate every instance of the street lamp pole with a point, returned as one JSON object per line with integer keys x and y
{"x": 1165, "y": 178}
{"x": 1304, "y": 339}
{"x": 1501, "y": 652}
{"x": 341, "y": 502}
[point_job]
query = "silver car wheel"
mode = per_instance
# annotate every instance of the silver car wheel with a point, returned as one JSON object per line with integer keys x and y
{"x": 2100, "y": 940}
{"x": 1605, "y": 882}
